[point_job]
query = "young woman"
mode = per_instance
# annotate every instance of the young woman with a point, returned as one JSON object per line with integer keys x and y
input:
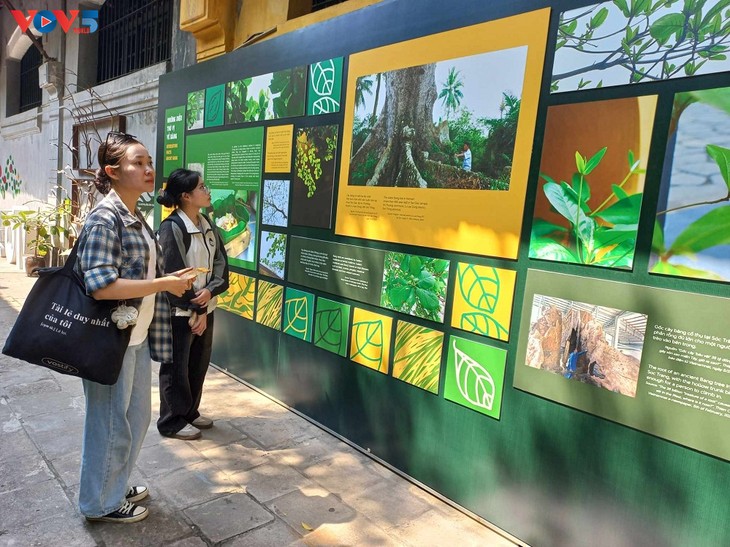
{"x": 118, "y": 260}
{"x": 189, "y": 239}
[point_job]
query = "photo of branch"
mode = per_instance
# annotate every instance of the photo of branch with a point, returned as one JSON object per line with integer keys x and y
{"x": 692, "y": 229}
{"x": 273, "y": 254}
{"x": 456, "y": 128}
{"x": 275, "y": 204}
{"x": 633, "y": 41}
{"x": 587, "y": 208}
{"x": 591, "y": 344}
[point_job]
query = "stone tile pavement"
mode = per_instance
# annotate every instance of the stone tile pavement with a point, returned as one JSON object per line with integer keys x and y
{"x": 263, "y": 476}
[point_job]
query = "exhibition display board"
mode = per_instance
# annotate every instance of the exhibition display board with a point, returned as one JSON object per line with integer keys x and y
{"x": 488, "y": 243}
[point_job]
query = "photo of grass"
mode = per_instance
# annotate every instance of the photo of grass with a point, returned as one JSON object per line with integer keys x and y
{"x": 314, "y": 176}
{"x": 195, "y": 110}
{"x": 461, "y": 125}
{"x": 633, "y": 41}
{"x": 370, "y": 339}
{"x": 331, "y": 326}
{"x": 272, "y": 260}
{"x": 266, "y": 97}
{"x": 475, "y": 376}
{"x": 298, "y": 314}
{"x": 415, "y": 285}
{"x": 692, "y": 229}
{"x": 324, "y": 87}
{"x": 275, "y": 204}
{"x": 240, "y": 296}
{"x": 589, "y": 201}
{"x": 268, "y": 304}
{"x": 417, "y": 358}
{"x": 594, "y": 345}
{"x": 483, "y": 300}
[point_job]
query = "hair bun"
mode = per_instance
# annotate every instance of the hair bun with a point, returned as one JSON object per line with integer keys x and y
{"x": 164, "y": 198}
{"x": 102, "y": 181}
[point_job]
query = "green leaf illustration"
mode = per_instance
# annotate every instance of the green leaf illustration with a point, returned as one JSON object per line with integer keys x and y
{"x": 473, "y": 380}
{"x": 480, "y": 291}
{"x": 483, "y": 324}
{"x": 297, "y": 316}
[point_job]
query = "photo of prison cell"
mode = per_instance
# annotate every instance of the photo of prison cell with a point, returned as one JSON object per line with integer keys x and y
{"x": 591, "y": 344}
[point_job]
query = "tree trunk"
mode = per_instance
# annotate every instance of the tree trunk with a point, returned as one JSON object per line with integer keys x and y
{"x": 404, "y": 130}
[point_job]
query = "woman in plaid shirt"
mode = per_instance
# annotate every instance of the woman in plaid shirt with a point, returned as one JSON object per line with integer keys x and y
{"x": 119, "y": 259}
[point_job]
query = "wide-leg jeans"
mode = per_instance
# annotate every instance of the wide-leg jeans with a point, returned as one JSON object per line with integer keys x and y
{"x": 117, "y": 419}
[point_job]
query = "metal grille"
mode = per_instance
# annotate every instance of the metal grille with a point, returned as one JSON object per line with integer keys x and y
{"x": 133, "y": 34}
{"x": 321, "y": 4}
{"x": 30, "y": 93}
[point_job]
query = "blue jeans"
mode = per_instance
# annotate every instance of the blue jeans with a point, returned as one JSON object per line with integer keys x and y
{"x": 117, "y": 418}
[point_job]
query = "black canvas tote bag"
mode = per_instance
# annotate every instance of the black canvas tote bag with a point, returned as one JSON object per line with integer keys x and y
{"x": 61, "y": 328}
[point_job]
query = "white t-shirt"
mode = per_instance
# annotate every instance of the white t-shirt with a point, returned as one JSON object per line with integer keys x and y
{"x": 147, "y": 308}
{"x": 201, "y": 254}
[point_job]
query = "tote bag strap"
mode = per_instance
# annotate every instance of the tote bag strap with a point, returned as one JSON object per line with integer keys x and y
{"x": 71, "y": 260}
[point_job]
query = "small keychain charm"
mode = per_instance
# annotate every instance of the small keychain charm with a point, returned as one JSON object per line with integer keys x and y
{"x": 124, "y": 315}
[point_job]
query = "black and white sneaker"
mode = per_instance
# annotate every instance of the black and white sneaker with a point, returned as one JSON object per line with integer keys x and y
{"x": 127, "y": 513}
{"x": 137, "y": 493}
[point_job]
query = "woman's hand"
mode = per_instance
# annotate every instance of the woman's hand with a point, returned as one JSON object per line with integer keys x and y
{"x": 201, "y": 298}
{"x": 200, "y": 324}
{"x": 177, "y": 285}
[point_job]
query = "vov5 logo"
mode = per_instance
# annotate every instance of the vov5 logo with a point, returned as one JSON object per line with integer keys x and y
{"x": 46, "y": 20}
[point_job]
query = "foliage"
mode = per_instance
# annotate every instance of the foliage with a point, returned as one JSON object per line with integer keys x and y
{"x": 415, "y": 285}
{"x": 604, "y": 236}
{"x": 41, "y": 224}
{"x": 315, "y": 146}
{"x": 496, "y": 163}
{"x": 196, "y": 104}
{"x": 710, "y": 230}
{"x": 657, "y": 42}
{"x": 288, "y": 89}
{"x": 451, "y": 93}
{"x": 275, "y": 257}
{"x": 363, "y": 86}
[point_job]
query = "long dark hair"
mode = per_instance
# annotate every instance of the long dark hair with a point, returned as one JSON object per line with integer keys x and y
{"x": 179, "y": 182}
{"x": 111, "y": 152}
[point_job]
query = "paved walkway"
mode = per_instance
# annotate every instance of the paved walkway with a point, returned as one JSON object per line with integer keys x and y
{"x": 262, "y": 476}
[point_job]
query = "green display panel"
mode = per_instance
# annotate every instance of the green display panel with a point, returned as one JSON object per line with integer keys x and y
{"x": 654, "y": 359}
{"x": 531, "y": 336}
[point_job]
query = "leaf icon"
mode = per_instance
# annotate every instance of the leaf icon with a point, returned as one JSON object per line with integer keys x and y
{"x": 297, "y": 316}
{"x": 473, "y": 380}
{"x": 368, "y": 338}
{"x": 483, "y": 324}
{"x": 479, "y": 286}
{"x": 329, "y": 328}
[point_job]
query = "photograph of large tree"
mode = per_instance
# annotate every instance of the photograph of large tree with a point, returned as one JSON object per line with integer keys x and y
{"x": 450, "y": 124}
{"x": 632, "y": 41}
{"x": 454, "y": 112}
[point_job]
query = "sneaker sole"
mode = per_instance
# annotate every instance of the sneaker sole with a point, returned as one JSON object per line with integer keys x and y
{"x": 206, "y": 426}
{"x": 185, "y": 437}
{"x": 139, "y": 497}
{"x": 128, "y": 520}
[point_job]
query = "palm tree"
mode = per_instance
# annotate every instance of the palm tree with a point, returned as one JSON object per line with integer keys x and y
{"x": 363, "y": 86}
{"x": 451, "y": 93}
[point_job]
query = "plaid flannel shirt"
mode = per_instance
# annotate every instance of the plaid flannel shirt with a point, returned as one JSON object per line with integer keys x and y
{"x": 102, "y": 258}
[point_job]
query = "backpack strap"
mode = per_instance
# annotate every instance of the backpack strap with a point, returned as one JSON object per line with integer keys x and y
{"x": 174, "y": 217}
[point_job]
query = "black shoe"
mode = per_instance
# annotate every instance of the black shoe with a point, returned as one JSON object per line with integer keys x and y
{"x": 127, "y": 513}
{"x": 137, "y": 493}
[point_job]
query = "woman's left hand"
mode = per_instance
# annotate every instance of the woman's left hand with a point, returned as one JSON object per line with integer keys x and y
{"x": 199, "y": 326}
{"x": 201, "y": 297}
